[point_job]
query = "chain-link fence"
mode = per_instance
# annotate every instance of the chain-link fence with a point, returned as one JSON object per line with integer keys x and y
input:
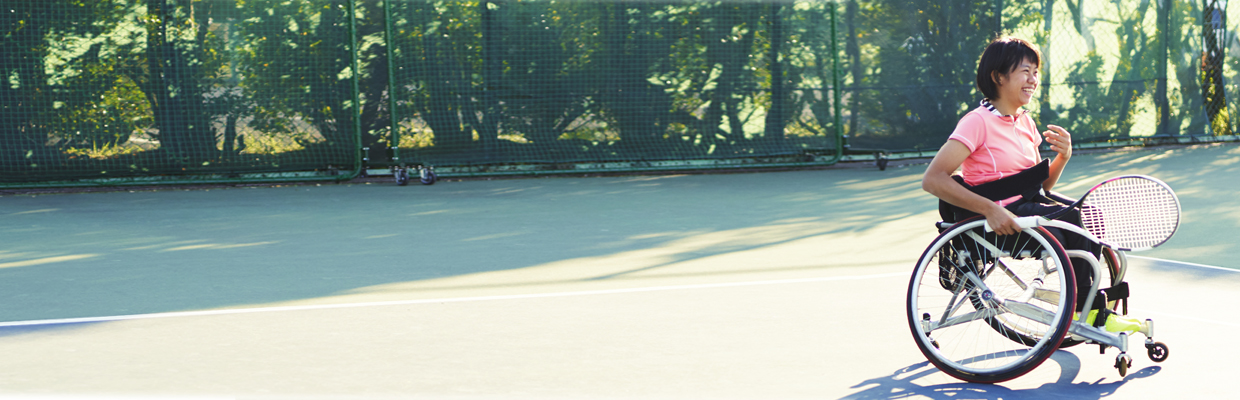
{"x": 137, "y": 91}
{"x": 496, "y": 86}
{"x": 1112, "y": 71}
{"x": 150, "y": 91}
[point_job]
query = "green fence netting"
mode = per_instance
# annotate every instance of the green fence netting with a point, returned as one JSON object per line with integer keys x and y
{"x": 492, "y": 86}
{"x": 495, "y": 86}
{"x": 149, "y": 91}
{"x": 135, "y": 91}
{"x": 1113, "y": 72}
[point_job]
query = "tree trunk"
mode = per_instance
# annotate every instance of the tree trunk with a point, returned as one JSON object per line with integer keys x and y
{"x": 853, "y": 50}
{"x": 1214, "y": 21}
{"x": 177, "y": 102}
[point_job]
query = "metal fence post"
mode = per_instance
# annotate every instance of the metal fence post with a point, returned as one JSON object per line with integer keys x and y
{"x": 836, "y": 98}
{"x": 389, "y": 44}
{"x": 357, "y": 98}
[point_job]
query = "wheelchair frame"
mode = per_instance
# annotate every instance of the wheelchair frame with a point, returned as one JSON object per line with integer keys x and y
{"x": 1077, "y": 327}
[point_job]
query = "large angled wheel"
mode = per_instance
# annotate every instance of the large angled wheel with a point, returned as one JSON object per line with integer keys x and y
{"x": 988, "y": 308}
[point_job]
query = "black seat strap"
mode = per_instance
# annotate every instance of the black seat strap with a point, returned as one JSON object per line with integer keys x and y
{"x": 1015, "y": 185}
{"x": 1027, "y": 184}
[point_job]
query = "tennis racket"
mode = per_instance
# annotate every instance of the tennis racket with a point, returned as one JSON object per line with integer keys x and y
{"x": 1131, "y": 212}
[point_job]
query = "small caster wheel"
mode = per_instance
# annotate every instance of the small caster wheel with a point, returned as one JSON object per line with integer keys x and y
{"x": 1123, "y": 362}
{"x": 427, "y": 176}
{"x": 1157, "y": 351}
{"x": 880, "y": 159}
{"x": 402, "y": 176}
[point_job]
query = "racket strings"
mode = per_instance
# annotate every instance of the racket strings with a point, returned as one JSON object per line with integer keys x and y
{"x": 1132, "y": 212}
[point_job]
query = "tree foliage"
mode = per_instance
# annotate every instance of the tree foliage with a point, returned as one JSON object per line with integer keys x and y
{"x": 183, "y": 86}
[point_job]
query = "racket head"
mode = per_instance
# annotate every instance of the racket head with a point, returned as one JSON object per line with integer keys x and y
{"x": 1131, "y": 212}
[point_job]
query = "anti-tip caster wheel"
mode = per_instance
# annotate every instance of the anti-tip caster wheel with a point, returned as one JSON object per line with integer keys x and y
{"x": 1157, "y": 351}
{"x": 1122, "y": 363}
{"x": 402, "y": 176}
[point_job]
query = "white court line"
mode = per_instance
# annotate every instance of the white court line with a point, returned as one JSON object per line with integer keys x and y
{"x": 1182, "y": 316}
{"x": 114, "y": 318}
{"x": 1187, "y": 263}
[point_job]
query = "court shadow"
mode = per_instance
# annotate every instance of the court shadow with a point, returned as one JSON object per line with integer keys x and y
{"x": 902, "y": 384}
{"x": 105, "y": 254}
{"x": 7, "y": 331}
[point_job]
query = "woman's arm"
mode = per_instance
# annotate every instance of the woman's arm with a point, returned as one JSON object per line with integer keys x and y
{"x": 938, "y": 181}
{"x": 1061, "y": 142}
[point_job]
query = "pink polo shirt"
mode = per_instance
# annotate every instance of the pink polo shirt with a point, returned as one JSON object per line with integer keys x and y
{"x": 998, "y": 146}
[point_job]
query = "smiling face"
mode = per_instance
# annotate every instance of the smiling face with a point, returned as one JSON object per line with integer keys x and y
{"x": 1016, "y": 89}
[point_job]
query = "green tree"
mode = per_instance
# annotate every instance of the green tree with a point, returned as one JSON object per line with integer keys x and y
{"x": 296, "y": 69}
{"x": 61, "y": 88}
{"x": 546, "y": 54}
{"x": 808, "y": 65}
{"x": 179, "y": 58}
{"x": 920, "y": 76}
{"x": 1213, "y": 54}
{"x": 438, "y": 59}
{"x": 1106, "y": 106}
{"x": 637, "y": 66}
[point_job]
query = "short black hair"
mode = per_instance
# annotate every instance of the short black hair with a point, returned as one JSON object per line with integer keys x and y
{"x": 1003, "y": 55}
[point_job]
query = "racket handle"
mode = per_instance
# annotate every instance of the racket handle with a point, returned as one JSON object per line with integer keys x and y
{"x": 1022, "y": 222}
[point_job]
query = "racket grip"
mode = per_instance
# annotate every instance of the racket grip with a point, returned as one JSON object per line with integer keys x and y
{"x": 1022, "y": 222}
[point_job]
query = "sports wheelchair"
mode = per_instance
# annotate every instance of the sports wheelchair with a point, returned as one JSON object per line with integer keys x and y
{"x": 988, "y": 308}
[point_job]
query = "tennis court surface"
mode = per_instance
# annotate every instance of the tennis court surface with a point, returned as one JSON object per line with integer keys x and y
{"x": 730, "y": 286}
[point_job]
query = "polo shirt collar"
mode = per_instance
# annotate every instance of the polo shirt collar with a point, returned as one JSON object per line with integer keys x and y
{"x": 995, "y": 111}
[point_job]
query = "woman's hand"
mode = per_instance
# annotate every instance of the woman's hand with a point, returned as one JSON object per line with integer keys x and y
{"x": 1001, "y": 220}
{"x": 938, "y": 181}
{"x": 1060, "y": 141}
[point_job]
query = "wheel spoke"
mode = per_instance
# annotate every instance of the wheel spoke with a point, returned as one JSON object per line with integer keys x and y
{"x": 953, "y": 306}
{"x": 984, "y": 243}
{"x": 992, "y": 302}
{"x": 976, "y": 281}
{"x": 1008, "y": 271}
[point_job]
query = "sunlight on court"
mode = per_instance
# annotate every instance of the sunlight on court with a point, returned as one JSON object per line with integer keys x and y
{"x": 563, "y": 288}
{"x": 45, "y": 260}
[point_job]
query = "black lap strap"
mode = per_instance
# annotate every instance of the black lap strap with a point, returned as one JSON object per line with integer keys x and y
{"x": 1027, "y": 184}
{"x": 1015, "y": 185}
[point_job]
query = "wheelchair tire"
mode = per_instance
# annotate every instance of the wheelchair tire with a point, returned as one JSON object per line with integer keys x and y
{"x": 1002, "y": 316}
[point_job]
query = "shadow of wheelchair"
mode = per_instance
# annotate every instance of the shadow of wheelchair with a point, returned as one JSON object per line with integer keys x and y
{"x": 900, "y": 385}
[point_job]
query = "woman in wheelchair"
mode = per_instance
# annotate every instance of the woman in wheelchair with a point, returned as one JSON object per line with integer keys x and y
{"x": 995, "y": 147}
{"x": 1018, "y": 282}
